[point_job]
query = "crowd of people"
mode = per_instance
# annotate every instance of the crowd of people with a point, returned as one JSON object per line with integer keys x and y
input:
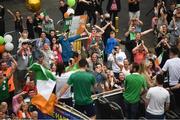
{"x": 102, "y": 64}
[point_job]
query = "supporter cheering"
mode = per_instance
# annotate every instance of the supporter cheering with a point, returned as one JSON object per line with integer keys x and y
{"x": 100, "y": 78}
{"x": 134, "y": 10}
{"x": 140, "y": 52}
{"x": 117, "y": 58}
{"x": 90, "y": 61}
{"x": 42, "y": 40}
{"x": 66, "y": 46}
{"x": 18, "y": 20}
{"x": 4, "y": 85}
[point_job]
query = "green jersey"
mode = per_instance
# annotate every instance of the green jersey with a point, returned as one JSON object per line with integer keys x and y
{"x": 133, "y": 86}
{"x": 4, "y": 94}
{"x": 82, "y": 82}
{"x": 74, "y": 68}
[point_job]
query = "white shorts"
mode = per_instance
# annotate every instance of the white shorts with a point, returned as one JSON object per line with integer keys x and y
{"x": 134, "y": 15}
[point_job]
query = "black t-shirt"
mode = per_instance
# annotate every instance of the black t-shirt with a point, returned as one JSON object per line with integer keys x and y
{"x": 129, "y": 44}
{"x": 80, "y": 8}
{"x": 177, "y": 1}
{"x": 37, "y": 22}
{"x": 63, "y": 9}
{"x": 133, "y": 7}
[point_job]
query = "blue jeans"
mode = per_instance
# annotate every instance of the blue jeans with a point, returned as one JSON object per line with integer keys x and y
{"x": 131, "y": 110}
{"x": 151, "y": 116}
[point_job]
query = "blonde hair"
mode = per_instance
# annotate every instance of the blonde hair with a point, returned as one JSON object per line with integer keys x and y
{"x": 142, "y": 68}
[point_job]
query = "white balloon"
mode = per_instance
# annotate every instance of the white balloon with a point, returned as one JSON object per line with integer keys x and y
{"x": 70, "y": 11}
{"x": 8, "y": 38}
{"x": 9, "y": 46}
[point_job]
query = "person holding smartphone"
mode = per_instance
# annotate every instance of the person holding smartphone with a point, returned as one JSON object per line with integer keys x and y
{"x": 140, "y": 52}
{"x": 117, "y": 57}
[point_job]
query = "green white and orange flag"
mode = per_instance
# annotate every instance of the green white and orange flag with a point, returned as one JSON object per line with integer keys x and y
{"x": 45, "y": 83}
{"x": 159, "y": 59}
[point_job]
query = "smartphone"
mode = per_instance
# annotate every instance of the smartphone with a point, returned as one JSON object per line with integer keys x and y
{"x": 139, "y": 42}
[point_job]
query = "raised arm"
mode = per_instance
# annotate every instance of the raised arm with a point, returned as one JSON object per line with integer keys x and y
{"x": 105, "y": 27}
{"x": 159, "y": 44}
{"x": 101, "y": 30}
{"x": 139, "y": 21}
{"x": 61, "y": 38}
{"x": 87, "y": 31}
{"x": 145, "y": 48}
{"x": 74, "y": 38}
{"x": 135, "y": 49}
{"x": 127, "y": 33}
{"x": 112, "y": 26}
{"x": 146, "y": 32}
{"x": 11, "y": 13}
{"x": 84, "y": 1}
{"x": 129, "y": 30}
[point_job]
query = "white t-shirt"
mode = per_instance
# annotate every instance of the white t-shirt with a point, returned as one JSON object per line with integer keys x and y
{"x": 157, "y": 96}
{"x": 21, "y": 40}
{"x": 126, "y": 72}
{"x": 61, "y": 81}
{"x": 173, "y": 66}
{"x": 119, "y": 58}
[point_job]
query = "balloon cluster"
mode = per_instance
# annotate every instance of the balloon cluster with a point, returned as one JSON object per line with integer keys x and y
{"x": 5, "y": 43}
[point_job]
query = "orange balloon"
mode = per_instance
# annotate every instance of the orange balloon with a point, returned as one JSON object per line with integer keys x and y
{"x": 66, "y": 15}
{"x": 2, "y": 48}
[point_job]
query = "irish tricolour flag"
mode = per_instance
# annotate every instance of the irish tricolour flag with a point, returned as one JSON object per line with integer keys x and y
{"x": 45, "y": 82}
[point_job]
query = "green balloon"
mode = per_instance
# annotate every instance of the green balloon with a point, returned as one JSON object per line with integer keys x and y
{"x": 1, "y": 40}
{"x": 71, "y": 3}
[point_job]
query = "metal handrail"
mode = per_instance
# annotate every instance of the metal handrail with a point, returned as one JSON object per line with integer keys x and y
{"x": 9, "y": 32}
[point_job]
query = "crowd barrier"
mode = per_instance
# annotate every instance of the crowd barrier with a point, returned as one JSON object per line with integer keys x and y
{"x": 109, "y": 105}
{"x": 114, "y": 101}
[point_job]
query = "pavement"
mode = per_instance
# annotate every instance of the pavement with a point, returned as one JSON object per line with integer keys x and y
{"x": 51, "y": 6}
